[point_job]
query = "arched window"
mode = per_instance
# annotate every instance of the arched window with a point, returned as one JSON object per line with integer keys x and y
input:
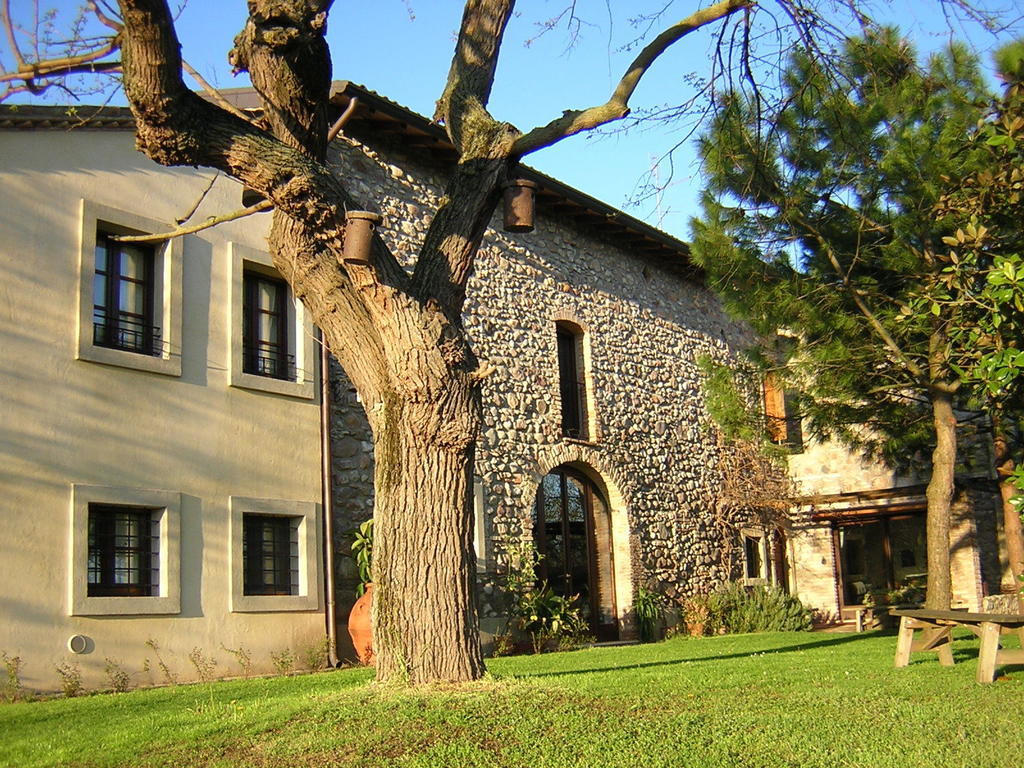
{"x": 572, "y": 532}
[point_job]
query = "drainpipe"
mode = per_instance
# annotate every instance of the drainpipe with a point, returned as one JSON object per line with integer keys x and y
{"x": 327, "y": 502}
{"x": 327, "y": 499}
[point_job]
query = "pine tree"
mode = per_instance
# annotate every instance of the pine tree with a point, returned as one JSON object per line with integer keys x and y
{"x": 820, "y": 221}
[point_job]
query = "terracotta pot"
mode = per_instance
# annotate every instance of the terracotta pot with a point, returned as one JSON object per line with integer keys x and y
{"x": 361, "y": 630}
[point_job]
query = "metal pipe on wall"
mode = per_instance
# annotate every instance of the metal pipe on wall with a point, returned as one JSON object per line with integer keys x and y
{"x": 327, "y": 500}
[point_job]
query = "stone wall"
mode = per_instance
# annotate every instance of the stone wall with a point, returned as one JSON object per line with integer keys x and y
{"x": 644, "y": 328}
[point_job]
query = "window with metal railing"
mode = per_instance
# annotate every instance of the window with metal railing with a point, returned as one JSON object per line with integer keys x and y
{"x": 123, "y": 297}
{"x": 265, "y": 328}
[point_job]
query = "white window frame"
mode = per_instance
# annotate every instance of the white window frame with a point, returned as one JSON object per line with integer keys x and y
{"x": 167, "y": 505}
{"x": 300, "y": 331}
{"x": 309, "y": 592}
{"x": 167, "y": 291}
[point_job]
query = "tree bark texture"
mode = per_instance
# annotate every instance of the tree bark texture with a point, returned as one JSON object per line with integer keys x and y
{"x": 400, "y": 341}
{"x": 424, "y": 626}
{"x": 1012, "y": 529}
{"x": 940, "y": 499}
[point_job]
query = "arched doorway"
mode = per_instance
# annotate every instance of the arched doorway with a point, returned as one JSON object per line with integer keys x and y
{"x": 572, "y": 532}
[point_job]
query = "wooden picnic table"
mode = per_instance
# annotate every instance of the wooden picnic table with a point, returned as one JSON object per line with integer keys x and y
{"x": 936, "y": 637}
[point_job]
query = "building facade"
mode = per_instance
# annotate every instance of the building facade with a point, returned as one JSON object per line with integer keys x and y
{"x": 859, "y": 532}
{"x": 161, "y": 484}
{"x": 596, "y": 444}
{"x": 171, "y": 488}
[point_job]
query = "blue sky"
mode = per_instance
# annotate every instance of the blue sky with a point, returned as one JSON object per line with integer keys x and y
{"x": 402, "y": 49}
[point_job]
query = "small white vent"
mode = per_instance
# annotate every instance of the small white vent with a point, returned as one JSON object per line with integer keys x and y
{"x": 78, "y": 643}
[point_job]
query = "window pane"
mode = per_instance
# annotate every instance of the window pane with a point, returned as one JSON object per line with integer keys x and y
{"x": 269, "y": 330}
{"x": 909, "y": 549}
{"x": 132, "y": 298}
{"x": 99, "y": 290}
{"x": 269, "y": 296}
{"x": 265, "y": 327}
{"x": 267, "y": 546}
{"x": 569, "y": 384}
{"x": 122, "y": 297}
{"x": 752, "y": 554}
{"x": 121, "y": 560}
{"x": 133, "y": 262}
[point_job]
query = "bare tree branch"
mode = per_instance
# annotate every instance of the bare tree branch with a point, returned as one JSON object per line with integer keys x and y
{"x": 468, "y": 88}
{"x": 103, "y": 18}
{"x": 213, "y": 221}
{"x": 5, "y": 17}
{"x": 214, "y": 94}
{"x": 40, "y": 70}
{"x": 75, "y": 65}
{"x": 574, "y": 121}
{"x": 199, "y": 201}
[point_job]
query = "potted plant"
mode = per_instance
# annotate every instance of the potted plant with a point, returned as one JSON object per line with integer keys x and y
{"x": 360, "y": 627}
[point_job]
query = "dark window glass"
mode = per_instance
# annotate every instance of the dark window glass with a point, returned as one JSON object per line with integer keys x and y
{"x": 123, "y": 552}
{"x": 270, "y": 553}
{"x": 752, "y": 554}
{"x": 570, "y": 384}
{"x": 265, "y": 327}
{"x": 123, "y": 297}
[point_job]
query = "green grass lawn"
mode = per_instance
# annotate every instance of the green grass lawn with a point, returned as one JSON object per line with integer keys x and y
{"x": 743, "y": 700}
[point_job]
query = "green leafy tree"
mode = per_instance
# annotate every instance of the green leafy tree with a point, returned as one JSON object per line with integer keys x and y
{"x": 820, "y": 220}
{"x": 984, "y": 267}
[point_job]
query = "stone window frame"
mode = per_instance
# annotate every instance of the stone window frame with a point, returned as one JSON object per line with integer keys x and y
{"x": 308, "y": 516}
{"x": 300, "y": 330}
{"x": 167, "y": 290}
{"x": 166, "y": 506}
{"x": 760, "y": 536}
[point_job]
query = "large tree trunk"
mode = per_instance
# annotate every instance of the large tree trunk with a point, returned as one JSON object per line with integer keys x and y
{"x": 424, "y": 608}
{"x": 1007, "y": 490}
{"x": 940, "y": 498}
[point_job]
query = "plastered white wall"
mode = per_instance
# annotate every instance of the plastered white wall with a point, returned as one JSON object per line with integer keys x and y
{"x": 65, "y": 421}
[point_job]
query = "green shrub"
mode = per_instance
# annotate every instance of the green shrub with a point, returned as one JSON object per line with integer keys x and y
{"x": 536, "y": 611}
{"x": 738, "y": 608}
{"x": 648, "y": 606}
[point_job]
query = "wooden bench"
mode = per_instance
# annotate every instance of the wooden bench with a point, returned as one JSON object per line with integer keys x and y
{"x": 936, "y": 637}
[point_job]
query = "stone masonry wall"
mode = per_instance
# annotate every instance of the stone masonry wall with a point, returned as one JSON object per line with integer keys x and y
{"x": 644, "y": 330}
